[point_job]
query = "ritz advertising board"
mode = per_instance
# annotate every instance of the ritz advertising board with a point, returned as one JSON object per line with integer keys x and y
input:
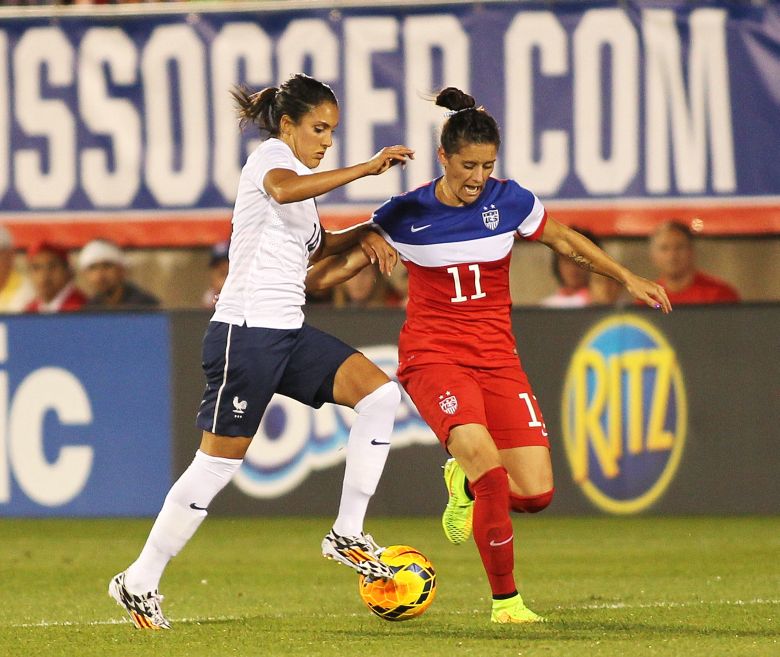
{"x": 624, "y": 414}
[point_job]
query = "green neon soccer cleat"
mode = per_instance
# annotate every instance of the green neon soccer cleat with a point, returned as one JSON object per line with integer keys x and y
{"x": 458, "y": 514}
{"x": 513, "y": 610}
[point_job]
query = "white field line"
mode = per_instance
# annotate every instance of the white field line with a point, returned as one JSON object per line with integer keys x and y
{"x": 593, "y": 606}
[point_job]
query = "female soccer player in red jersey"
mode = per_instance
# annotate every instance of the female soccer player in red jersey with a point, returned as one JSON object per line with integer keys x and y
{"x": 457, "y": 355}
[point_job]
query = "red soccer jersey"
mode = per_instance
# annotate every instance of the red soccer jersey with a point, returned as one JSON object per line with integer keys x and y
{"x": 68, "y": 300}
{"x": 703, "y": 289}
{"x": 458, "y": 262}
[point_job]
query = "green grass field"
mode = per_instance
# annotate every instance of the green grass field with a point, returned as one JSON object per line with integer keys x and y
{"x": 608, "y": 586}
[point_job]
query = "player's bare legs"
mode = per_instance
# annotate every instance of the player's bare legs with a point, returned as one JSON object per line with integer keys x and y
{"x": 530, "y": 476}
{"x": 361, "y": 385}
{"x": 355, "y": 379}
{"x": 226, "y": 447}
{"x": 476, "y": 453}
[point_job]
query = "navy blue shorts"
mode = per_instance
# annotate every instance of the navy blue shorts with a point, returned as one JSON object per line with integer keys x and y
{"x": 245, "y": 366}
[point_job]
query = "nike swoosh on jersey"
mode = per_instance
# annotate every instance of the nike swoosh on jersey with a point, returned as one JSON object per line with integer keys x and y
{"x": 416, "y": 229}
{"x": 497, "y": 543}
{"x": 374, "y": 441}
{"x": 196, "y": 507}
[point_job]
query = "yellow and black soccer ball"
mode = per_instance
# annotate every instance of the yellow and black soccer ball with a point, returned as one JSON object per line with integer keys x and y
{"x": 409, "y": 593}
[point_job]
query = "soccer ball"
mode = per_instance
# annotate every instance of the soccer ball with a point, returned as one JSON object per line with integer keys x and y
{"x": 409, "y": 593}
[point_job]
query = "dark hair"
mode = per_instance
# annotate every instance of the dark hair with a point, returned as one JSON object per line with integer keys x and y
{"x": 295, "y": 98}
{"x": 556, "y": 267}
{"x": 467, "y": 124}
{"x": 676, "y": 225}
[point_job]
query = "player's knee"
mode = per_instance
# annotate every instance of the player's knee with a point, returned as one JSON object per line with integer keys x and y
{"x": 385, "y": 399}
{"x": 531, "y": 503}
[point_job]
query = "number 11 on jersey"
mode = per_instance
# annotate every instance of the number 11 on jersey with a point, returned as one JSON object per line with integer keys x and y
{"x": 459, "y": 296}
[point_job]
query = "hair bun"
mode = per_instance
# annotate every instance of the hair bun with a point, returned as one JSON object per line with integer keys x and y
{"x": 454, "y": 99}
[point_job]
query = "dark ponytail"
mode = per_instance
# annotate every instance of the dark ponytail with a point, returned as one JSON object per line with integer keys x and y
{"x": 254, "y": 107}
{"x": 296, "y": 97}
{"x": 467, "y": 123}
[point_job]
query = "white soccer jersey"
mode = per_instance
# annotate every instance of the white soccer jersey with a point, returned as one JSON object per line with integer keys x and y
{"x": 269, "y": 248}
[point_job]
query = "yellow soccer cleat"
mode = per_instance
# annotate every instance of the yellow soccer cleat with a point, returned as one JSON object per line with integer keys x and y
{"x": 513, "y": 610}
{"x": 458, "y": 514}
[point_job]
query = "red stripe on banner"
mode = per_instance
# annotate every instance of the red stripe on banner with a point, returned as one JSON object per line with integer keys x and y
{"x": 627, "y": 221}
{"x": 129, "y": 233}
{"x": 199, "y": 230}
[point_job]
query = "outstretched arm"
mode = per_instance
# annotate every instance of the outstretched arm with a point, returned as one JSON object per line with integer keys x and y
{"x": 587, "y": 255}
{"x": 286, "y": 186}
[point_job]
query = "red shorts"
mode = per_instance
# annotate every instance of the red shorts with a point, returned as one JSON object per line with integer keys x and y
{"x": 500, "y": 399}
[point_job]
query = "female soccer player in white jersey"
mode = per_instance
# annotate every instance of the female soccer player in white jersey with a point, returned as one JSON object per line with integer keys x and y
{"x": 257, "y": 343}
{"x": 457, "y": 354}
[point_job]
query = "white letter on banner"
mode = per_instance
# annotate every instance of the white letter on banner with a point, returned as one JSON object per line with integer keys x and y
{"x": 599, "y": 173}
{"x": 104, "y": 115}
{"x": 528, "y": 32}
{"x": 50, "y": 184}
{"x": 308, "y": 38}
{"x": 178, "y": 47}
{"x": 236, "y": 43}
{"x": 311, "y": 38}
{"x": 5, "y": 465}
{"x": 49, "y": 389}
{"x": 667, "y": 103}
{"x": 5, "y": 162}
{"x": 422, "y": 36}
{"x": 367, "y": 106}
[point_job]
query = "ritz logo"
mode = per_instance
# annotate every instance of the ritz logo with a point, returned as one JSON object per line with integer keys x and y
{"x": 49, "y": 480}
{"x": 624, "y": 414}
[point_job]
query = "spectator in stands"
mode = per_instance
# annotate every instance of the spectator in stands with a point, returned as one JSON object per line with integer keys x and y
{"x": 52, "y": 278}
{"x": 218, "y": 271}
{"x": 366, "y": 289}
{"x": 102, "y": 264}
{"x": 16, "y": 291}
{"x": 672, "y": 254}
{"x": 573, "y": 281}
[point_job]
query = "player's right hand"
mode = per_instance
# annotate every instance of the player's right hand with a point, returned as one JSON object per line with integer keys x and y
{"x": 387, "y": 157}
{"x": 649, "y": 293}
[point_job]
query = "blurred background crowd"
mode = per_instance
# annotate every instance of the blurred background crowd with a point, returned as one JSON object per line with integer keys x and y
{"x": 47, "y": 277}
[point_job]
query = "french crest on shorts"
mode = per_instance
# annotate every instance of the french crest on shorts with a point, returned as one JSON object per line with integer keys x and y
{"x": 490, "y": 216}
{"x": 448, "y": 403}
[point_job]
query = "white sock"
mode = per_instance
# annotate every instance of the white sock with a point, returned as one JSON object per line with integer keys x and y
{"x": 182, "y": 512}
{"x": 367, "y": 448}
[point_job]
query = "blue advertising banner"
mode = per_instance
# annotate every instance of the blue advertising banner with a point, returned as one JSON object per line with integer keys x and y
{"x": 615, "y": 114}
{"x": 84, "y": 415}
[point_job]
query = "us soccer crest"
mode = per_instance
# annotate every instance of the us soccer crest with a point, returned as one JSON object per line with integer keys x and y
{"x": 448, "y": 403}
{"x": 490, "y": 216}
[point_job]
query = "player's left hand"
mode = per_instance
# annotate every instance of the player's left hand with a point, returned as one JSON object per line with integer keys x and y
{"x": 649, "y": 293}
{"x": 377, "y": 250}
